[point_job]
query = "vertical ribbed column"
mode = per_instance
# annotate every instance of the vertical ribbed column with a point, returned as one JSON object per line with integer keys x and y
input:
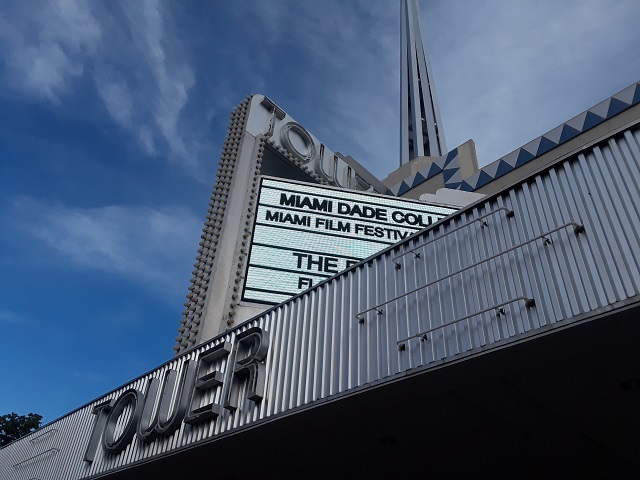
{"x": 421, "y": 132}
{"x": 191, "y": 315}
{"x": 247, "y": 232}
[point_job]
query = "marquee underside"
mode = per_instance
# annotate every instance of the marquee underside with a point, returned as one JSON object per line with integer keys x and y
{"x": 551, "y": 405}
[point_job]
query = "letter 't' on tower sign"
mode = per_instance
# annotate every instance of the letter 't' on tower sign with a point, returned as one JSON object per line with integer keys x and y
{"x": 421, "y": 132}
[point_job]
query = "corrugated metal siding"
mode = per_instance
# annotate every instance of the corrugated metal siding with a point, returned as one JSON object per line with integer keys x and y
{"x": 319, "y": 348}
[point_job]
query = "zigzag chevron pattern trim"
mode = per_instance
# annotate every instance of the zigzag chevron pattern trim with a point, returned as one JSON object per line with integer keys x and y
{"x": 450, "y": 165}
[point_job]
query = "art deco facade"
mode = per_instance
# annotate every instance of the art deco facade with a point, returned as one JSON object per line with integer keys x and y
{"x": 501, "y": 339}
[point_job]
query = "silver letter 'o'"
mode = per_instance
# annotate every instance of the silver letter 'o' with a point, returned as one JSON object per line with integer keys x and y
{"x": 306, "y": 138}
{"x": 114, "y": 445}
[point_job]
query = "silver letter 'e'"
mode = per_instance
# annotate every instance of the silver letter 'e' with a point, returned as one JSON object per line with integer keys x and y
{"x": 205, "y": 383}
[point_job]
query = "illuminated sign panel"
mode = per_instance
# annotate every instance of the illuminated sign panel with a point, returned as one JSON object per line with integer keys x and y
{"x": 304, "y": 234}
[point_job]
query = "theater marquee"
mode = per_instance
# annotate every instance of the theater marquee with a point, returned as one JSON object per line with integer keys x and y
{"x": 304, "y": 234}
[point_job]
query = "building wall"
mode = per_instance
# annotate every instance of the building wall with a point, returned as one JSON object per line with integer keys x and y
{"x": 558, "y": 248}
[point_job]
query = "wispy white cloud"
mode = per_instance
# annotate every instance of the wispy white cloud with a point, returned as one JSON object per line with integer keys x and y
{"x": 360, "y": 98}
{"x": 151, "y": 246}
{"x": 127, "y": 50}
{"x": 46, "y": 45}
{"x": 505, "y": 71}
{"x": 150, "y": 102}
{"x": 349, "y": 51}
{"x": 508, "y": 71}
{"x": 7, "y": 316}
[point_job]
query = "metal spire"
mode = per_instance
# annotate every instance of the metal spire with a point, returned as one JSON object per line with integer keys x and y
{"x": 421, "y": 131}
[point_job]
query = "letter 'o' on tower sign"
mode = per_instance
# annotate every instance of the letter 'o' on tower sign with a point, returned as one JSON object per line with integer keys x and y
{"x": 300, "y": 135}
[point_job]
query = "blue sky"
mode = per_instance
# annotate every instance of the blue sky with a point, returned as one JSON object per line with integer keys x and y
{"x": 113, "y": 114}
